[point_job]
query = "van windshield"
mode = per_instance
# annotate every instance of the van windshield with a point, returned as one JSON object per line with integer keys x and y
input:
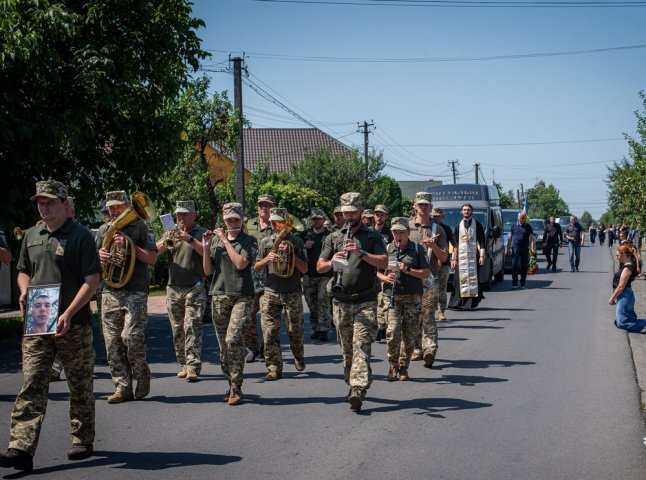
{"x": 509, "y": 219}
{"x": 452, "y": 216}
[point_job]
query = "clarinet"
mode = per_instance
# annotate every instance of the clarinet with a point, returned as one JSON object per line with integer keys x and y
{"x": 392, "y": 291}
{"x": 338, "y": 284}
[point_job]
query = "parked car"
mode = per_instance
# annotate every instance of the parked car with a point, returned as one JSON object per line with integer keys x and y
{"x": 509, "y": 219}
{"x": 538, "y": 226}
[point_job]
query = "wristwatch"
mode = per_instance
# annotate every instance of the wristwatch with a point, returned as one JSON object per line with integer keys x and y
{"x": 362, "y": 253}
{"x": 190, "y": 240}
{"x": 407, "y": 269}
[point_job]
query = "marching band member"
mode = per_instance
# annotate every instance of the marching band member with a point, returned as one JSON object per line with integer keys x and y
{"x": 403, "y": 287}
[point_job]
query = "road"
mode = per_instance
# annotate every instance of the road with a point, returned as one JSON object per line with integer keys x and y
{"x": 535, "y": 384}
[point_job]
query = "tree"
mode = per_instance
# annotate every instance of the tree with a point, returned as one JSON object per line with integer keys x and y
{"x": 586, "y": 220}
{"x": 507, "y": 200}
{"x": 545, "y": 201}
{"x": 207, "y": 120}
{"x": 626, "y": 179}
{"x": 86, "y": 96}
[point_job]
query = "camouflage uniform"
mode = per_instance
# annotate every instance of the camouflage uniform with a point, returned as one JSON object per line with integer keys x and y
{"x": 314, "y": 283}
{"x": 186, "y": 296}
{"x": 125, "y": 310}
{"x": 402, "y": 324}
{"x": 354, "y": 304}
{"x": 282, "y": 294}
{"x": 42, "y": 255}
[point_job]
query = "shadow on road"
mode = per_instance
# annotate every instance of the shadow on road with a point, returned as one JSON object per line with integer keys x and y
{"x": 476, "y": 364}
{"x": 431, "y": 407}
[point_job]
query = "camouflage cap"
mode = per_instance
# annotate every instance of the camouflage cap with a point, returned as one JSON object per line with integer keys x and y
{"x": 337, "y": 209}
{"x": 437, "y": 212}
{"x": 368, "y": 213}
{"x": 423, "y": 197}
{"x": 351, "y": 202}
{"x": 50, "y": 189}
{"x": 399, "y": 223}
{"x": 266, "y": 198}
{"x": 277, "y": 214}
{"x": 184, "y": 206}
{"x": 118, "y": 197}
{"x": 232, "y": 210}
{"x": 381, "y": 208}
{"x": 317, "y": 213}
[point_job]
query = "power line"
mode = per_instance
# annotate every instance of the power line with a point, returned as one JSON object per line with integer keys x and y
{"x": 465, "y": 3}
{"x": 306, "y": 58}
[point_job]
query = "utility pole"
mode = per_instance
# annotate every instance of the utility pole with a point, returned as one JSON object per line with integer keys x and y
{"x": 237, "y": 103}
{"x": 476, "y": 167}
{"x": 365, "y": 129}
{"x": 452, "y": 163}
{"x": 518, "y": 198}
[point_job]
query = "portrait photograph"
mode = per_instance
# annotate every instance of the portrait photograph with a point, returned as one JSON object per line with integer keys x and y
{"x": 41, "y": 311}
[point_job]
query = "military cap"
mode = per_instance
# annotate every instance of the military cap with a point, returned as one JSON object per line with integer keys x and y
{"x": 50, "y": 189}
{"x": 337, "y": 209}
{"x": 317, "y": 213}
{"x": 266, "y": 198}
{"x": 232, "y": 210}
{"x": 118, "y": 197}
{"x": 423, "y": 197}
{"x": 277, "y": 214}
{"x": 351, "y": 202}
{"x": 437, "y": 212}
{"x": 381, "y": 208}
{"x": 368, "y": 213}
{"x": 184, "y": 206}
{"x": 399, "y": 223}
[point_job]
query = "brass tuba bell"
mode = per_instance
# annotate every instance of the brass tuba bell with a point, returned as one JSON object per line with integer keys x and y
{"x": 119, "y": 271}
{"x": 284, "y": 268}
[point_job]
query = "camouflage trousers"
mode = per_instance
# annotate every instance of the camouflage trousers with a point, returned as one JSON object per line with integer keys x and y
{"x": 125, "y": 315}
{"x": 438, "y": 291}
{"x": 271, "y": 306}
{"x": 231, "y": 314}
{"x": 425, "y": 328}
{"x": 402, "y": 320}
{"x": 383, "y": 301}
{"x": 356, "y": 325}
{"x": 318, "y": 301}
{"x": 185, "y": 311}
{"x": 76, "y": 353}
{"x": 250, "y": 332}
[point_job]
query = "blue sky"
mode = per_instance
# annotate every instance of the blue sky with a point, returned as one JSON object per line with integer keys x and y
{"x": 557, "y": 118}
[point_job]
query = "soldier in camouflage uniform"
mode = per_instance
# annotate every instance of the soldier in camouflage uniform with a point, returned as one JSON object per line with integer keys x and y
{"x": 185, "y": 292}
{"x": 381, "y": 215}
{"x": 431, "y": 235}
{"x": 338, "y": 218}
{"x": 443, "y": 274}
{"x": 125, "y": 309}
{"x": 258, "y": 228}
{"x": 59, "y": 251}
{"x": 281, "y": 293}
{"x": 314, "y": 283}
{"x": 354, "y": 296}
{"x": 230, "y": 257}
{"x": 407, "y": 269}
{"x": 368, "y": 218}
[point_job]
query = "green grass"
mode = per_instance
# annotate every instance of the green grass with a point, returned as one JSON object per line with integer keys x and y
{"x": 157, "y": 291}
{"x": 10, "y": 327}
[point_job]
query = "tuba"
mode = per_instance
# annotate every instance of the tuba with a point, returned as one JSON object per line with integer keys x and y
{"x": 18, "y": 233}
{"x": 284, "y": 268}
{"x": 119, "y": 271}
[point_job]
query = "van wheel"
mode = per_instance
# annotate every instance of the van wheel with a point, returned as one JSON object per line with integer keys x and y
{"x": 500, "y": 276}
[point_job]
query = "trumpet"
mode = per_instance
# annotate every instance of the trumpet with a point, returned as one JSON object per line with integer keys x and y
{"x": 19, "y": 233}
{"x": 170, "y": 242}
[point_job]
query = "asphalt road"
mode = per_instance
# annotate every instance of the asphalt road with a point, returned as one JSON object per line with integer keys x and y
{"x": 535, "y": 384}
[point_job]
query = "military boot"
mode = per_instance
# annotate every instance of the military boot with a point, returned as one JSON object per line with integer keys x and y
{"x": 392, "y": 373}
{"x": 356, "y": 399}
{"x": 417, "y": 355}
{"x": 429, "y": 359}
{"x": 403, "y": 373}
{"x": 235, "y": 397}
{"x": 18, "y": 459}
{"x": 143, "y": 388}
{"x": 121, "y": 396}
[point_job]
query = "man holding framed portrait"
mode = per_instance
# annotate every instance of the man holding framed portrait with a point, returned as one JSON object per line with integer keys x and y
{"x": 57, "y": 251}
{"x": 42, "y": 310}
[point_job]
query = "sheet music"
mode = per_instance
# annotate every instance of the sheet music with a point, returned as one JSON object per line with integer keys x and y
{"x": 167, "y": 222}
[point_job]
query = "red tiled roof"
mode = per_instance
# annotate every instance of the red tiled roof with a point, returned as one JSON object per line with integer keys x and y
{"x": 283, "y": 147}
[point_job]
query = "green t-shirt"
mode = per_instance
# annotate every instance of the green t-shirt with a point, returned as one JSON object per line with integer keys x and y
{"x": 142, "y": 236}
{"x": 414, "y": 257}
{"x": 360, "y": 277}
{"x": 314, "y": 252}
{"x": 185, "y": 267}
{"x": 65, "y": 256}
{"x": 274, "y": 282}
{"x": 227, "y": 279}
{"x": 420, "y": 230}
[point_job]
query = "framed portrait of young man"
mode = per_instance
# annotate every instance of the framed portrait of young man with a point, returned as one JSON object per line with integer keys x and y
{"x": 41, "y": 311}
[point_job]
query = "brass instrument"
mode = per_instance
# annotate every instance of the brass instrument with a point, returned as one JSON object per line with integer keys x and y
{"x": 284, "y": 267}
{"x": 170, "y": 242}
{"x": 119, "y": 270}
{"x": 18, "y": 233}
